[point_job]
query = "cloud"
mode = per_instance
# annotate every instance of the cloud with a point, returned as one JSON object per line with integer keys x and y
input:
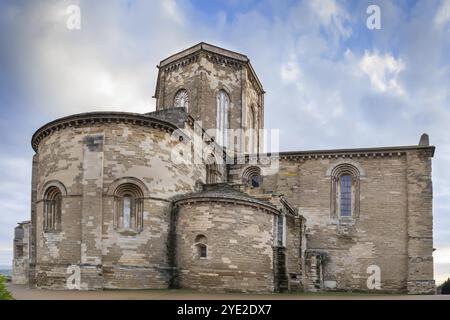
{"x": 443, "y": 14}
{"x": 331, "y": 15}
{"x": 15, "y": 192}
{"x": 383, "y": 71}
{"x": 106, "y": 65}
{"x": 290, "y": 71}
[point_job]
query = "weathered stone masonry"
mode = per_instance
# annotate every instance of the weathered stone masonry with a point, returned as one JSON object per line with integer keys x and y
{"x": 110, "y": 200}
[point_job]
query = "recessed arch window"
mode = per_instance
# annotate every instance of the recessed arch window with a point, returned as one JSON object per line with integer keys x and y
{"x": 345, "y": 187}
{"x": 253, "y": 130}
{"x": 128, "y": 207}
{"x": 345, "y": 184}
{"x": 201, "y": 245}
{"x": 212, "y": 170}
{"x": 223, "y": 106}
{"x": 181, "y": 99}
{"x": 52, "y": 209}
{"x": 252, "y": 177}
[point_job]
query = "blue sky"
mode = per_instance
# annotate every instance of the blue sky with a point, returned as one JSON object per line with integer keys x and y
{"x": 330, "y": 81}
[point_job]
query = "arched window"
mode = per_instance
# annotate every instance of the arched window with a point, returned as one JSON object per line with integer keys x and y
{"x": 345, "y": 182}
{"x": 251, "y": 118}
{"x": 252, "y": 177}
{"x": 223, "y": 105}
{"x": 201, "y": 245}
{"x": 212, "y": 170}
{"x": 181, "y": 99}
{"x": 128, "y": 207}
{"x": 253, "y": 131}
{"x": 52, "y": 209}
{"x": 345, "y": 191}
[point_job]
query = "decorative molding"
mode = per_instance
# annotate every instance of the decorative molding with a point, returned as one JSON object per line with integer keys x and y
{"x": 384, "y": 152}
{"x": 232, "y": 201}
{"x": 89, "y": 119}
{"x": 347, "y": 163}
{"x": 128, "y": 180}
{"x": 224, "y": 61}
{"x": 174, "y": 66}
{"x": 52, "y": 183}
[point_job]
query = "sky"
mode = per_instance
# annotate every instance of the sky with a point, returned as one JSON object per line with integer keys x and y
{"x": 331, "y": 82}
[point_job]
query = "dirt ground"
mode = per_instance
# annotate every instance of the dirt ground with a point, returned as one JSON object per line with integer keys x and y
{"x": 22, "y": 292}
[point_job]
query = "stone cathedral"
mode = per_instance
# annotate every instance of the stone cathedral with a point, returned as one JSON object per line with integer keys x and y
{"x": 184, "y": 197}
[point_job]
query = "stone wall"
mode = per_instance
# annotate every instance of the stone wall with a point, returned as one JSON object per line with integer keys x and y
{"x": 203, "y": 74}
{"x": 420, "y": 223}
{"x": 239, "y": 239}
{"x": 22, "y": 247}
{"x": 88, "y": 162}
{"x": 393, "y": 229}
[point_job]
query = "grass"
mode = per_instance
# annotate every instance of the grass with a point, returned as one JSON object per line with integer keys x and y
{"x": 4, "y": 293}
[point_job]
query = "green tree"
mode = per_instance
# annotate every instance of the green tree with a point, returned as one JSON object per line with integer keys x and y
{"x": 445, "y": 287}
{"x": 4, "y": 293}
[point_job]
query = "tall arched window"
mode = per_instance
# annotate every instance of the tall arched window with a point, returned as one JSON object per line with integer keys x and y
{"x": 345, "y": 182}
{"x": 251, "y": 118}
{"x": 253, "y": 131}
{"x": 212, "y": 170}
{"x": 201, "y": 245}
{"x": 52, "y": 209}
{"x": 345, "y": 191}
{"x": 223, "y": 105}
{"x": 128, "y": 207}
{"x": 181, "y": 99}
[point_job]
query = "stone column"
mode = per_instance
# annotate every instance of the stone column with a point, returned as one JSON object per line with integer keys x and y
{"x": 91, "y": 213}
{"x": 32, "y": 248}
{"x": 420, "y": 222}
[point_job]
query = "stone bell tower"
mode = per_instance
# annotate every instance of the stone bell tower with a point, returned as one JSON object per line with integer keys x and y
{"x": 219, "y": 88}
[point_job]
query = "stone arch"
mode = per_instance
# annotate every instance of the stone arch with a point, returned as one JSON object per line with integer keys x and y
{"x": 223, "y": 108}
{"x": 212, "y": 169}
{"x": 128, "y": 180}
{"x": 179, "y": 91}
{"x": 226, "y": 89}
{"x": 52, "y": 205}
{"x": 252, "y": 176}
{"x": 128, "y": 204}
{"x": 201, "y": 245}
{"x": 346, "y": 163}
{"x": 345, "y": 190}
{"x": 53, "y": 183}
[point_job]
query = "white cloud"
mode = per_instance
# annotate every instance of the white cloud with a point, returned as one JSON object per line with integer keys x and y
{"x": 173, "y": 11}
{"x": 383, "y": 71}
{"x": 443, "y": 13}
{"x": 110, "y": 64}
{"x": 331, "y": 15}
{"x": 290, "y": 71}
{"x": 442, "y": 255}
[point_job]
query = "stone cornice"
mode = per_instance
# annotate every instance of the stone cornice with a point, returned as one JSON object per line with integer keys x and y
{"x": 357, "y": 153}
{"x": 340, "y": 153}
{"x": 91, "y": 118}
{"x": 215, "y": 55}
{"x": 228, "y": 200}
{"x": 203, "y": 46}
